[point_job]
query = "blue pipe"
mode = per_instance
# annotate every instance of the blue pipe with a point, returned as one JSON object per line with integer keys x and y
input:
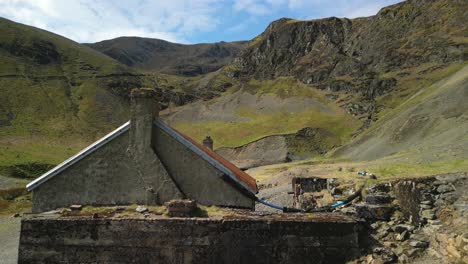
{"x": 283, "y": 208}
{"x": 270, "y": 205}
{"x": 337, "y": 204}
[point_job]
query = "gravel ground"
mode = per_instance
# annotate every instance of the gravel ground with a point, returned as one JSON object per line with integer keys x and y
{"x": 276, "y": 195}
{"x": 9, "y": 237}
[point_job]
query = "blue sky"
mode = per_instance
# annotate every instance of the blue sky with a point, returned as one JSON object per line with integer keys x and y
{"x": 183, "y": 21}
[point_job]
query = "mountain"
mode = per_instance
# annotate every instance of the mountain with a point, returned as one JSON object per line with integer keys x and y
{"x": 59, "y": 95}
{"x": 56, "y": 95}
{"x": 365, "y": 56}
{"x": 171, "y": 58}
{"x": 357, "y": 81}
{"x": 370, "y": 67}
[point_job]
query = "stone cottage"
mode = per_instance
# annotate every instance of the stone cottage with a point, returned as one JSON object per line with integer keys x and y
{"x": 144, "y": 161}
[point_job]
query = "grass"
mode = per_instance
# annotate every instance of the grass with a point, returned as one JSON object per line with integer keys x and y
{"x": 14, "y": 200}
{"x": 16, "y": 152}
{"x": 255, "y": 124}
{"x": 283, "y": 87}
{"x": 386, "y": 169}
{"x": 51, "y": 110}
{"x": 233, "y": 134}
{"x": 396, "y": 170}
{"x": 130, "y": 211}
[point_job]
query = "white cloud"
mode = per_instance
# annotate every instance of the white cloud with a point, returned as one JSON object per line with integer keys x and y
{"x": 252, "y": 6}
{"x": 313, "y": 8}
{"x": 172, "y": 20}
{"x": 95, "y": 20}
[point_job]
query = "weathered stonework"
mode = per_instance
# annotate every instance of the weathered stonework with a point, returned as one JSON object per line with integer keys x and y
{"x": 158, "y": 185}
{"x": 143, "y": 162}
{"x": 324, "y": 238}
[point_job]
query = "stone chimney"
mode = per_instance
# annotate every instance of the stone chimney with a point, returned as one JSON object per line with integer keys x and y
{"x": 208, "y": 142}
{"x": 150, "y": 172}
{"x": 144, "y": 108}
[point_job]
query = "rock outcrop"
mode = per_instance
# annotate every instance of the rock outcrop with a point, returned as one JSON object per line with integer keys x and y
{"x": 305, "y": 143}
{"x": 354, "y": 55}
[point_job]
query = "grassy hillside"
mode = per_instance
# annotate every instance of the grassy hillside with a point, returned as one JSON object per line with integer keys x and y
{"x": 249, "y": 111}
{"x": 57, "y": 95}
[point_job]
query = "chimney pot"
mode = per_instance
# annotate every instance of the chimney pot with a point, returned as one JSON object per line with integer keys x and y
{"x": 208, "y": 142}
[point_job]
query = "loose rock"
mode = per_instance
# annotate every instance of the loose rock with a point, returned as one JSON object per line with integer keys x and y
{"x": 374, "y": 212}
{"x": 444, "y": 189}
{"x": 402, "y": 228}
{"x": 141, "y": 209}
{"x": 76, "y": 207}
{"x": 181, "y": 208}
{"x": 418, "y": 244}
{"x": 428, "y": 214}
{"x": 385, "y": 254}
{"x": 378, "y": 198}
{"x": 402, "y": 237}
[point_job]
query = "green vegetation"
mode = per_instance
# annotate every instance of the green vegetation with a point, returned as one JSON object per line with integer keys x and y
{"x": 231, "y": 134}
{"x": 130, "y": 211}
{"x": 57, "y": 96}
{"x": 400, "y": 169}
{"x": 283, "y": 87}
{"x": 14, "y": 200}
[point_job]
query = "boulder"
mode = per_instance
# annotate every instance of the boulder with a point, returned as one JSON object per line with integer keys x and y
{"x": 402, "y": 237}
{"x": 425, "y": 206}
{"x": 427, "y": 202}
{"x": 374, "y": 212}
{"x": 378, "y": 198}
{"x": 141, "y": 209}
{"x": 402, "y": 228}
{"x": 418, "y": 244}
{"x": 428, "y": 214}
{"x": 181, "y": 208}
{"x": 384, "y": 254}
{"x": 444, "y": 188}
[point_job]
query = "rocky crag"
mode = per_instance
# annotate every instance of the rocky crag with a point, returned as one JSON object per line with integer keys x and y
{"x": 364, "y": 56}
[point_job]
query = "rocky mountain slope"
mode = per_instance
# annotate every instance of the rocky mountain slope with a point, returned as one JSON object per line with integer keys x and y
{"x": 370, "y": 67}
{"x": 172, "y": 58}
{"x": 364, "y": 56}
{"x": 432, "y": 125}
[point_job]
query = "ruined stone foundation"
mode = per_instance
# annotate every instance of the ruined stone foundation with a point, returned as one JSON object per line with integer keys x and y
{"x": 322, "y": 238}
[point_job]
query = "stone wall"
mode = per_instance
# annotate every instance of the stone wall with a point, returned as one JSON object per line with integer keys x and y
{"x": 326, "y": 238}
{"x": 105, "y": 177}
{"x": 197, "y": 178}
{"x": 310, "y": 184}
